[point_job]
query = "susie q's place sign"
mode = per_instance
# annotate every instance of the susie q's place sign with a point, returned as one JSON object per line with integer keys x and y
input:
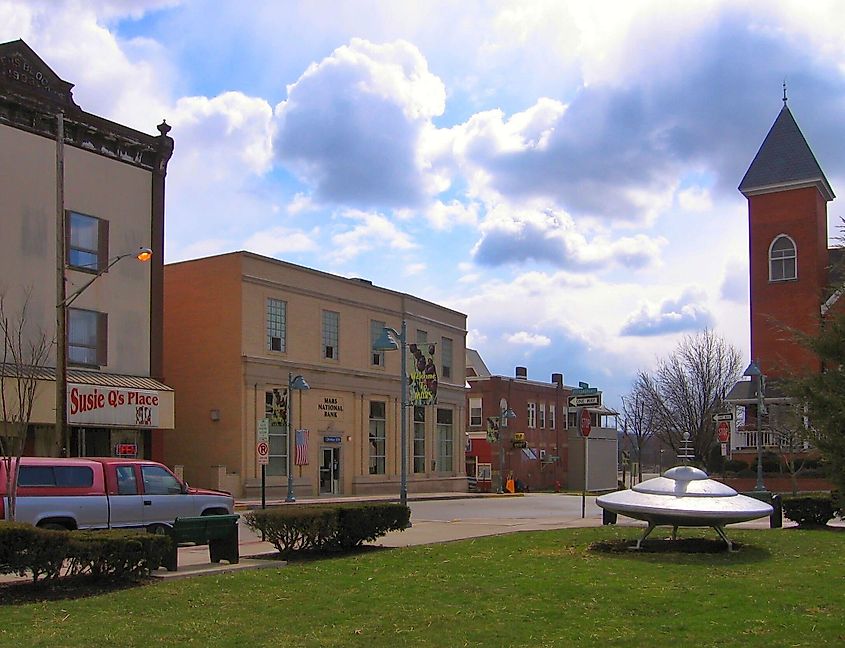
{"x": 97, "y": 405}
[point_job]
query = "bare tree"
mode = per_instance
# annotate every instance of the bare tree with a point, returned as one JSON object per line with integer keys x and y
{"x": 24, "y": 352}
{"x": 688, "y": 387}
{"x": 639, "y": 423}
{"x": 787, "y": 423}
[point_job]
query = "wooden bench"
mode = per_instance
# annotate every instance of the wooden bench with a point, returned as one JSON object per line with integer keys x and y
{"x": 219, "y": 532}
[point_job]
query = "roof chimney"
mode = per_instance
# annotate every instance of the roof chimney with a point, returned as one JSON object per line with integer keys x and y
{"x": 557, "y": 379}
{"x": 521, "y": 373}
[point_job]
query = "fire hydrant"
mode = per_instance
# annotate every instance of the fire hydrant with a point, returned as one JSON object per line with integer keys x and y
{"x": 557, "y": 487}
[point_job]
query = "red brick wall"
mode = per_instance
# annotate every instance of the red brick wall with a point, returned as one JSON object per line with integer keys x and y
{"x": 777, "y": 307}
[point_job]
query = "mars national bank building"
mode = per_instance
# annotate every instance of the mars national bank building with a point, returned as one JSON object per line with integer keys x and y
{"x": 242, "y": 330}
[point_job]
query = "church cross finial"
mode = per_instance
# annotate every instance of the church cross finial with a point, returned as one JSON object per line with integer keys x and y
{"x": 784, "y": 92}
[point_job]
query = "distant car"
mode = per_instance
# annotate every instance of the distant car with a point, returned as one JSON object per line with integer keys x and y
{"x": 105, "y": 493}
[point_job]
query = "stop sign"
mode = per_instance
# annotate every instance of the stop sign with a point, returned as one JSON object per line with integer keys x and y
{"x": 586, "y": 425}
{"x": 724, "y": 431}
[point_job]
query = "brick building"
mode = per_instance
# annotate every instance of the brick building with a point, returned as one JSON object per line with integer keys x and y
{"x": 238, "y": 325}
{"x": 541, "y": 447}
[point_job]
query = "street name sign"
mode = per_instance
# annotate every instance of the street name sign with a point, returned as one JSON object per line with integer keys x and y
{"x": 723, "y": 416}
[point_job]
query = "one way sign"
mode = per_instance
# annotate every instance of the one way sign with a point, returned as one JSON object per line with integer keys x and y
{"x": 593, "y": 400}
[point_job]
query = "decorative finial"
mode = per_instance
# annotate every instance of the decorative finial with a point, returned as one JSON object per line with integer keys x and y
{"x": 163, "y": 127}
{"x": 784, "y": 92}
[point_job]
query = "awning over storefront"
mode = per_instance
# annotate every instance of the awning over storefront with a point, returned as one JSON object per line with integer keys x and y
{"x": 100, "y": 399}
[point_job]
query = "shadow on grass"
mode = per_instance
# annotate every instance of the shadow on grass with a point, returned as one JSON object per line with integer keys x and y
{"x": 682, "y": 550}
{"x": 62, "y": 589}
{"x": 310, "y": 555}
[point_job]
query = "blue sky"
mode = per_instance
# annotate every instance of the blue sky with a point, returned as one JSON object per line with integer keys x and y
{"x": 564, "y": 173}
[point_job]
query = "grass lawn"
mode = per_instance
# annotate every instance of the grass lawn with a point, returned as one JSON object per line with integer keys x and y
{"x": 783, "y": 588}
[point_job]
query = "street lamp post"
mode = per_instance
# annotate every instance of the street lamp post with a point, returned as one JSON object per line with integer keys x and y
{"x": 753, "y": 371}
{"x": 298, "y": 383}
{"x": 64, "y": 301}
{"x": 391, "y": 340}
{"x": 506, "y": 414}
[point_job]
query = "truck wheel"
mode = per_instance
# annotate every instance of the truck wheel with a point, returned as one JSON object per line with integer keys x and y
{"x": 53, "y": 526}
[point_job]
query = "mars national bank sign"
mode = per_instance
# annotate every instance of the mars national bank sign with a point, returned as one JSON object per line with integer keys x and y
{"x": 112, "y": 406}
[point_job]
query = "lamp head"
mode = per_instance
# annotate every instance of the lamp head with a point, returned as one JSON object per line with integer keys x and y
{"x": 385, "y": 342}
{"x": 144, "y": 254}
{"x": 299, "y": 383}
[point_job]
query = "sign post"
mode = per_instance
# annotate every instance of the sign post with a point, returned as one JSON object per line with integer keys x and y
{"x": 262, "y": 449}
{"x": 586, "y": 428}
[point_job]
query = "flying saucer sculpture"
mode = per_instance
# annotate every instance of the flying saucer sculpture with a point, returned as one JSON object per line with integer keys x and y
{"x": 684, "y": 496}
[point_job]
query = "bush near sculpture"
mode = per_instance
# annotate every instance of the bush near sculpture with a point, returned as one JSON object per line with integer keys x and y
{"x": 326, "y": 528}
{"x": 47, "y": 554}
{"x": 810, "y": 510}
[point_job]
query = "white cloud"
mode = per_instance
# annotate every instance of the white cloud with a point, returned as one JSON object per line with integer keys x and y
{"x": 688, "y": 312}
{"x": 370, "y": 231}
{"x": 281, "y": 241}
{"x": 352, "y": 124}
{"x": 524, "y": 338}
{"x": 695, "y": 199}
{"x": 549, "y": 236}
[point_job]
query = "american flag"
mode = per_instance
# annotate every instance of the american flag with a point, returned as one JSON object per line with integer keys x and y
{"x": 301, "y": 455}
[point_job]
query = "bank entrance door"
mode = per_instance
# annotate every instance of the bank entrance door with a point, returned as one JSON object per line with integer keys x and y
{"x": 329, "y": 471}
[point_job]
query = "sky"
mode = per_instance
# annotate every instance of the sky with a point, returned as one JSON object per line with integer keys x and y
{"x": 562, "y": 172}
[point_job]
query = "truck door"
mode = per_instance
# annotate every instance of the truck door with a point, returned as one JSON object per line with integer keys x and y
{"x": 126, "y": 507}
{"x": 164, "y": 500}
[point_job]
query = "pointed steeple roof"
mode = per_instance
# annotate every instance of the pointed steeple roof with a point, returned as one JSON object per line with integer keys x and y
{"x": 784, "y": 161}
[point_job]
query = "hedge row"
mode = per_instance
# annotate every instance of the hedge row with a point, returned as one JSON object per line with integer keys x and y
{"x": 43, "y": 553}
{"x": 811, "y": 510}
{"x": 326, "y": 528}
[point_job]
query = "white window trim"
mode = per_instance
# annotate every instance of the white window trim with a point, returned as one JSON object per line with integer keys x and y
{"x": 795, "y": 257}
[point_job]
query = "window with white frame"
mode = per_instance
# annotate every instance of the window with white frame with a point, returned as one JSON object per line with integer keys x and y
{"x": 419, "y": 439}
{"x": 87, "y": 242}
{"x": 87, "y": 336}
{"x": 551, "y": 416}
{"x": 377, "y": 437}
{"x": 446, "y": 357}
{"x": 475, "y": 418}
{"x": 542, "y": 416}
{"x": 532, "y": 415}
{"x": 276, "y": 324}
{"x": 331, "y": 328}
{"x": 782, "y": 259}
{"x": 445, "y": 441}
{"x": 376, "y": 328}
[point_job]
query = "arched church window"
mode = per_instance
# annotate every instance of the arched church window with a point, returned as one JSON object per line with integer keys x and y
{"x": 782, "y": 259}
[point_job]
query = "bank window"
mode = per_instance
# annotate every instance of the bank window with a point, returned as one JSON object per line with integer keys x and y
{"x": 87, "y": 242}
{"x": 331, "y": 325}
{"x": 275, "y": 410}
{"x": 419, "y": 439}
{"x": 475, "y": 412}
{"x": 376, "y": 329}
{"x": 542, "y": 412}
{"x": 276, "y": 324}
{"x": 532, "y": 415}
{"x": 445, "y": 440}
{"x": 446, "y": 357}
{"x": 422, "y": 336}
{"x": 782, "y": 259}
{"x": 87, "y": 337}
{"x": 377, "y": 437}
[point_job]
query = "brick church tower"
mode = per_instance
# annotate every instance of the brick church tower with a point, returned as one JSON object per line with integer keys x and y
{"x": 787, "y": 196}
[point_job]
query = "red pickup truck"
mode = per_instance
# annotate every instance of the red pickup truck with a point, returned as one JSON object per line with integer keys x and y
{"x": 105, "y": 493}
